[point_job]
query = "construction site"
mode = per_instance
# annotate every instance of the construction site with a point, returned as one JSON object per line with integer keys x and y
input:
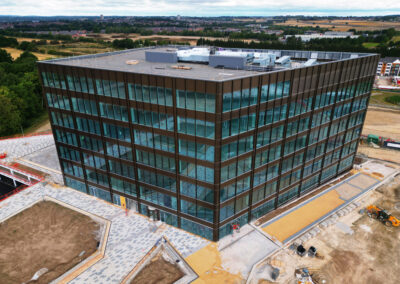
{"x": 77, "y": 209}
{"x": 60, "y": 235}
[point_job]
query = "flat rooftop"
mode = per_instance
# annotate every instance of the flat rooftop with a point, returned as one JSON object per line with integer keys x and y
{"x": 134, "y": 61}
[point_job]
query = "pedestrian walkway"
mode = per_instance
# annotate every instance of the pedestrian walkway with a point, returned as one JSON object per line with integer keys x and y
{"x": 299, "y": 219}
{"x": 130, "y": 236}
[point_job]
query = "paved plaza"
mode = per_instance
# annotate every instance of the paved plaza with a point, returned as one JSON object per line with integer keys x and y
{"x": 132, "y": 235}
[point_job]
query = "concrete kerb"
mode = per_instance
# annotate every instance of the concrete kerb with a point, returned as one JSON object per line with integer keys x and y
{"x": 286, "y": 244}
{"x": 40, "y": 166}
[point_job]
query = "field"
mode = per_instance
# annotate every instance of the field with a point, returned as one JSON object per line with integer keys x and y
{"x": 378, "y": 98}
{"x": 370, "y": 45}
{"x": 46, "y": 235}
{"x": 15, "y": 53}
{"x": 192, "y": 40}
{"x": 382, "y": 122}
{"x": 344, "y": 25}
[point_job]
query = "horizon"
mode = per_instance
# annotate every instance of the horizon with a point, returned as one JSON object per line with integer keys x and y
{"x": 205, "y": 16}
{"x": 199, "y": 8}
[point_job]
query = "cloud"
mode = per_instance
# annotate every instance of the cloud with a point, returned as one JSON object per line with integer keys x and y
{"x": 198, "y": 7}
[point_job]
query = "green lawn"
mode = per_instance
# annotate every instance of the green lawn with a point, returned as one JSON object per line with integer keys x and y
{"x": 370, "y": 45}
{"x": 396, "y": 38}
{"x": 378, "y": 98}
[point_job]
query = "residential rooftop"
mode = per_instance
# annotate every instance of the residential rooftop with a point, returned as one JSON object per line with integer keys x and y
{"x": 203, "y": 63}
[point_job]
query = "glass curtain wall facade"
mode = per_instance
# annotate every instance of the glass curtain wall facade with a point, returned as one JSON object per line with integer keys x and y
{"x": 207, "y": 154}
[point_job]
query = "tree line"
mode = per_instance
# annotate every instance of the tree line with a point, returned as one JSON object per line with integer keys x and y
{"x": 20, "y": 92}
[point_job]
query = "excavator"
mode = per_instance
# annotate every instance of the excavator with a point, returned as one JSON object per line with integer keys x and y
{"x": 382, "y": 215}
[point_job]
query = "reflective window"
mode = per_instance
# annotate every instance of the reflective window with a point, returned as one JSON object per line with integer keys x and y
{"x": 92, "y": 144}
{"x": 275, "y": 114}
{"x": 154, "y": 140}
{"x": 196, "y": 150}
{"x": 238, "y": 125}
{"x": 159, "y": 198}
{"x": 150, "y": 94}
{"x": 196, "y": 171}
{"x": 196, "y": 127}
{"x": 75, "y": 184}
{"x": 121, "y": 169}
{"x": 113, "y": 111}
{"x": 236, "y": 169}
{"x": 157, "y": 179}
{"x": 195, "y": 101}
{"x": 197, "y": 229}
{"x": 155, "y": 160}
{"x": 117, "y": 132}
{"x": 88, "y": 125}
{"x": 110, "y": 88}
{"x": 239, "y": 99}
{"x": 66, "y": 137}
{"x": 236, "y": 148}
{"x": 123, "y": 186}
{"x": 119, "y": 151}
{"x": 69, "y": 154}
{"x": 58, "y": 101}
{"x": 72, "y": 169}
{"x": 153, "y": 119}
{"x": 197, "y": 191}
{"x": 84, "y": 106}
{"x": 197, "y": 210}
{"x": 62, "y": 119}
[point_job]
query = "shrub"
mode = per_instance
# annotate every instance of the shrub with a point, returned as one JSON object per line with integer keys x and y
{"x": 393, "y": 99}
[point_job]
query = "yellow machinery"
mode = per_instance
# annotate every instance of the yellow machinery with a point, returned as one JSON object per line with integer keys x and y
{"x": 383, "y": 216}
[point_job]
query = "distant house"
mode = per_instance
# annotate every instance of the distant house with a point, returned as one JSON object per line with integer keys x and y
{"x": 388, "y": 66}
{"x": 308, "y": 37}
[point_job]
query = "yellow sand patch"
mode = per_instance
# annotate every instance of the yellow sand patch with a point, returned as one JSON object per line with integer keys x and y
{"x": 206, "y": 262}
{"x": 300, "y": 218}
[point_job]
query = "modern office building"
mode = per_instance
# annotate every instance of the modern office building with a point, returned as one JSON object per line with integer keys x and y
{"x": 206, "y": 138}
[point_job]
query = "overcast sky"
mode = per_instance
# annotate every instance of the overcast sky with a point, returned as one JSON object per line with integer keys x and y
{"x": 199, "y": 7}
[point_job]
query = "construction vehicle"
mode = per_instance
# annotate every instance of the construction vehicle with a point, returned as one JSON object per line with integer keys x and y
{"x": 382, "y": 215}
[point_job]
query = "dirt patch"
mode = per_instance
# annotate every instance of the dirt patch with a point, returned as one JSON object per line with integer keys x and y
{"x": 380, "y": 154}
{"x": 158, "y": 271}
{"x": 47, "y": 235}
{"x": 370, "y": 255}
{"x": 382, "y": 122}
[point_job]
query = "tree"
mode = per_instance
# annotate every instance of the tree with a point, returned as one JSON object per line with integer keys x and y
{"x": 10, "y": 118}
{"x": 5, "y": 56}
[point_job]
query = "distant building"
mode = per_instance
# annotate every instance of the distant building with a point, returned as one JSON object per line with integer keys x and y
{"x": 388, "y": 66}
{"x": 101, "y": 17}
{"x": 331, "y": 35}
